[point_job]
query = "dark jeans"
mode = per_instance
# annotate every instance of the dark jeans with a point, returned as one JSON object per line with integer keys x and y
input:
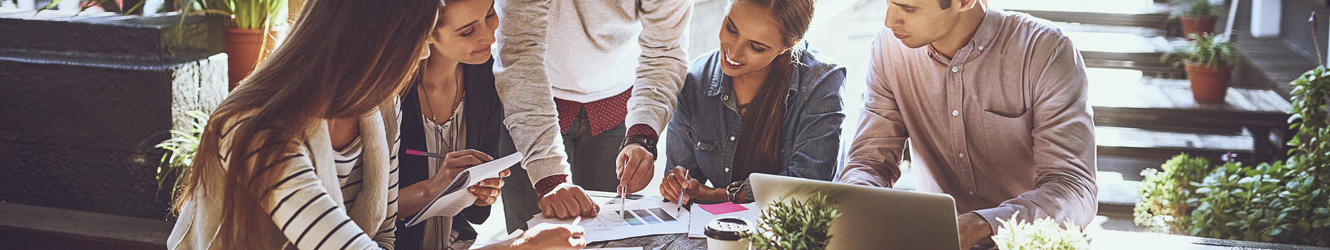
{"x": 592, "y": 160}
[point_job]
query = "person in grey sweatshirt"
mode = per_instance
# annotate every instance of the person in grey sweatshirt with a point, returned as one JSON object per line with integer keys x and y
{"x": 591, "y": 83}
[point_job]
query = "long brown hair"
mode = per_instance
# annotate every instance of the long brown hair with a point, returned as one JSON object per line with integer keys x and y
{"x": 342, "y": 59}
{"x": 760, "y": 139}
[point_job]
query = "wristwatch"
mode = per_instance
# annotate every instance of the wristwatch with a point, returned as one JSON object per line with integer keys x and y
{"x": 646, "y": 142}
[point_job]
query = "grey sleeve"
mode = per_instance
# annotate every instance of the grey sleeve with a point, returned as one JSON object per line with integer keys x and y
{"x": 524, "y": 87}
{"x": 662, "y": 64}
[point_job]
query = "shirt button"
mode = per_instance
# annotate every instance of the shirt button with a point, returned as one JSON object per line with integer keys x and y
{"x": 725, "y": 97}
{"x": 727, "y": 169}
{"x": 955, "y": 112}
{"x": 981, "y": 48}
{"x": 955, "y": 69}
{"x": 971, "y": 192}
{"x": 731, "y": 138}
{"x": 962, "y": 155}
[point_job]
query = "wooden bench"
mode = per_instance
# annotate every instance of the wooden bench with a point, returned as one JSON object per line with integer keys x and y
{"x": 34, "y": 227}
{"x": 1112, "y": 12}
{"x": 1269, "y": 63}
{"x": 1127, "y": 99}
{"x": 1127, "y": 51}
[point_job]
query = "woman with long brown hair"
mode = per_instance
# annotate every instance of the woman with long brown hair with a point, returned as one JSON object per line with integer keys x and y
{"x": 302, "y": 154}
{"x": 762, "y": 103}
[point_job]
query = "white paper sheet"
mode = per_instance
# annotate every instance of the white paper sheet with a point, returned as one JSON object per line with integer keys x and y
{"x": 647, "y": 215}
{"x": 697, "y": 224}
{"x": 455, "y": 198}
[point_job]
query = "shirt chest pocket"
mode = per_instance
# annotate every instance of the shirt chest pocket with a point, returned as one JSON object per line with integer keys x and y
{"x": 1005, "y": 97}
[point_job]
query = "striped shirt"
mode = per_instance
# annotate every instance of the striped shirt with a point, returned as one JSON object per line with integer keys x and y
{"x": 350, "y": 173}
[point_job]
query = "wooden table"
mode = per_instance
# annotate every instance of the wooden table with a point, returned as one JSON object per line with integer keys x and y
{"x": 1099, "y": 239}
{"x": 1122, "y": 99}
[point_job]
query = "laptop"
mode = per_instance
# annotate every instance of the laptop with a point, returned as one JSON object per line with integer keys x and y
{"x": 871, "y": 217}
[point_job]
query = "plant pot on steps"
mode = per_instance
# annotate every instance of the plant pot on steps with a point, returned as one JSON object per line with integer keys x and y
{"x": 246, "y": 48}
{"x": 1196, "y": 25}
{"x": 1209, "y": 84}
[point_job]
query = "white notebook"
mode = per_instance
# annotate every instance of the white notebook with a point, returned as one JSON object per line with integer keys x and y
{"x": 455, "y": 197}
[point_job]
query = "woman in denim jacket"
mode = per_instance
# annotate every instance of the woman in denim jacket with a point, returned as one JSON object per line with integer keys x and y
{"x": 762, "y": 103}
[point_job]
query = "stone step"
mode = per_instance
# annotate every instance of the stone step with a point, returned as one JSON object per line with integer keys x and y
{"x": 36, "y": 227}
{"x": 110, "y": 37}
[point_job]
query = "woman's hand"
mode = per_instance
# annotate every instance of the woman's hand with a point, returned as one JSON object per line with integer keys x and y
{"x": 487, "y": 191}
{"x": 678, "y": 181}
{"x": 551, "y": 236}
{"x": 453, "y": 165}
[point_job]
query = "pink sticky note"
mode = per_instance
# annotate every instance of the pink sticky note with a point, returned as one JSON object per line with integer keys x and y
{"x": 722, "y": 208}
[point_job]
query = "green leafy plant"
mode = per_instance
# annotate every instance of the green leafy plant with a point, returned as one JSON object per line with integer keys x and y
{"x": 1165, "y": 195}
{"x": 180, "y": 149}
{"x": 1042, "y": 234}
{"x": 1192, "y": 8}
{"x": 791, "y": 224}
{"x": 1207, "y": 50}
{"x": 1281, "y": 202}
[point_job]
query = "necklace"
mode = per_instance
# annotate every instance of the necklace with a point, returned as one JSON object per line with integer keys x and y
{"x": 429, "y": 105}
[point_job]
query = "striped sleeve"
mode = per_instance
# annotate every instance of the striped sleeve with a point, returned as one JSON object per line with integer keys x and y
{"x": 305, "y": 214}
{"x": 387, "y": 236}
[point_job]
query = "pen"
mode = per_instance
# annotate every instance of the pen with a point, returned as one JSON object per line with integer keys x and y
{"x": 577, "y": 221}
{"x": 425, "y": 154}
{"x": 623, "y": 200}
{"x": 681, "y": 191}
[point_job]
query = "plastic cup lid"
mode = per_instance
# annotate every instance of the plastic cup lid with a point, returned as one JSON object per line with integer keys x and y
{"x": 727, "y": 228}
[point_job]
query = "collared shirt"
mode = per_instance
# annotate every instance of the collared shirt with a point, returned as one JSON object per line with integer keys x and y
{"x": 703, "y": 135}
{"x": 1002, "y": 126}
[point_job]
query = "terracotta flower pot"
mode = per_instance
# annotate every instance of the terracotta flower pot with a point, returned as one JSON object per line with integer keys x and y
{"x": 246, "y": 48}
{"x": 1209, "y": 84}
{"x": 1197, "y": 25}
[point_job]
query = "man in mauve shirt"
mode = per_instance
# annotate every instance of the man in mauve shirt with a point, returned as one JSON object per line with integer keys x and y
{"x": 993, "y": 104}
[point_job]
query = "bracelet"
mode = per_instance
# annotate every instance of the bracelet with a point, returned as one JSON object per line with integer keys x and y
{"x": 734, "y": 191}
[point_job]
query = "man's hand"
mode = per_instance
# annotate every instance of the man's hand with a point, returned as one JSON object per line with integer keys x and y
{"x": 973, "y": 229}
{"x": 567, "y": 201}
{"x": 634, "y": 167}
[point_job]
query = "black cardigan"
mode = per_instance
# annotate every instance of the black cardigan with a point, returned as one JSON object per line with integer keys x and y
{"x": 485, "y": 132}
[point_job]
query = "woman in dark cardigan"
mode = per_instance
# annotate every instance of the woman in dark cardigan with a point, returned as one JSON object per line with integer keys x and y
{"x": 452, "y": 108}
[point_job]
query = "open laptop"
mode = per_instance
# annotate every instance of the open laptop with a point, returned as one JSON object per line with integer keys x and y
{"x": 872, "y": 217}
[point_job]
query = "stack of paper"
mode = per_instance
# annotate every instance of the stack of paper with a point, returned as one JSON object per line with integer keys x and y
{"x": 644, "y": 215}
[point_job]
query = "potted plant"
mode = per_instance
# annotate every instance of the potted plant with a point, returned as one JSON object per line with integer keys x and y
{"x": 1197, "y": 17}
{"x": 794, "y": 225}
{"x": 1206, "y": 58}
{"x": 1042, "y": 234}
{"x": 249, "y": 36}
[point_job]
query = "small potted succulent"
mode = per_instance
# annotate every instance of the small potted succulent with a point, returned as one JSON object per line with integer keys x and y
{"x": 1197, "y": 16}
{"x": 1207, "y": 59}
{"x": 791, "y": 224}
